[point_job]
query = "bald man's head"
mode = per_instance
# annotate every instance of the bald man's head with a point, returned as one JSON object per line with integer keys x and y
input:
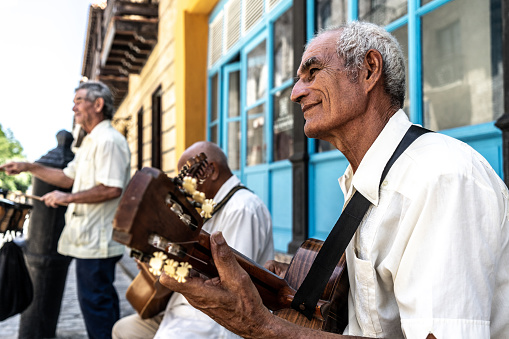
{"x": 216, "y": 159}
{"x": 211, "y": 150}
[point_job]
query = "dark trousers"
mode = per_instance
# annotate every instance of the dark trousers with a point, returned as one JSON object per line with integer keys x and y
{"x": 97, "y": 296}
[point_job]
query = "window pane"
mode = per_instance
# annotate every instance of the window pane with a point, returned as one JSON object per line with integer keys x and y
{"x": 234, "y": 145}
{"x": 462, "y": 64}
{"x": 330, "y": 13}
{"x": 283, "y": 48}
{"x": 381, "y": 12}
{"x": 401, "y": 34}
{"x": 214, "y": 97}
{"x": 234, "y": 95}
{"x": 283, "y": 125}
{"x": 256, "y": 74}
{"x": 256, "y": 147}
{"x": 214, "y": 135}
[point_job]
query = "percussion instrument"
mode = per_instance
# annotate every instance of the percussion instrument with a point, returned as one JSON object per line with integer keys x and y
{"x": 13, "y": 215}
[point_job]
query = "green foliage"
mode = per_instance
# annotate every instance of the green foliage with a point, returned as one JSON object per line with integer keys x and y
{"x": 11, "y": 150}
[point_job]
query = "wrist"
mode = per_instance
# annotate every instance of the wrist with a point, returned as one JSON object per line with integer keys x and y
{"x": 30, "y": 166}
{"x": 69, "y": 198}
{"x": 272, "y": 326}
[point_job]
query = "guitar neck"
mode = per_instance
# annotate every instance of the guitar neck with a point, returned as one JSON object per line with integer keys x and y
{"x": 274, "y": 290}
{"x": 155, "y": 215}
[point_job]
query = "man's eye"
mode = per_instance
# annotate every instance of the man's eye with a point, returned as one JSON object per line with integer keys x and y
{"x": 313, "y": 71}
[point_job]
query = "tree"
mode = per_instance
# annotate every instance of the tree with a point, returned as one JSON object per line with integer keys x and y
{"x": 11, "y": 150}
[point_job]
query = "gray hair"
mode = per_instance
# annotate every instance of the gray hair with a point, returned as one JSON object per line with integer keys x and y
{"x": 95, "y": 90}
{"x": 356, "y": 39}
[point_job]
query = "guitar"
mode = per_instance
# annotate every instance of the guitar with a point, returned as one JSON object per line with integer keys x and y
{"x": 159, "y": 218}
{"x": 146, "y": 295}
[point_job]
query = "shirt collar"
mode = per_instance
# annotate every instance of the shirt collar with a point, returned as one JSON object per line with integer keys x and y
{"x": 366, "y": 179}
{"x": 226, "y": 187}
{"x": 99, "y": 127}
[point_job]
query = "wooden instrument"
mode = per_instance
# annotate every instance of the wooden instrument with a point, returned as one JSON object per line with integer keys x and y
{"x": 146, "y": 295}
{"x": 160, "y": 221}
{"x": 13, "y": 215}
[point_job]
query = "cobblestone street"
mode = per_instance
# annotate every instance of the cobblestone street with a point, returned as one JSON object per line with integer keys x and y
{"x": 70, "y": 323}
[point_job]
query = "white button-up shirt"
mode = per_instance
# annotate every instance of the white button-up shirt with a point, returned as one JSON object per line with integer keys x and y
{"x": 247, "y": 227}
{"x": 431, "y": 254}
{"x": 103, "y": 158}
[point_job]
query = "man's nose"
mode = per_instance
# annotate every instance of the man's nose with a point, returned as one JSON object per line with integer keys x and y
{"x": 299, "y": 91}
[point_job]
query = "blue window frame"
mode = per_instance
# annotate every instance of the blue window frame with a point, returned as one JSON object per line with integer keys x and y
{"x": 432, "y": 32}
{"x": 248, "y": 101}
{"x": 254, "y": 129}
{"x": 413, "y": 21}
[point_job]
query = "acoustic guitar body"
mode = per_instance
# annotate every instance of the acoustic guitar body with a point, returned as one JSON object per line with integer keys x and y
{"x": 336, "y": 291}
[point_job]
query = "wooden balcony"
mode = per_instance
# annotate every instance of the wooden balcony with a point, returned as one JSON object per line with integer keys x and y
{"x": 120, "y": 39}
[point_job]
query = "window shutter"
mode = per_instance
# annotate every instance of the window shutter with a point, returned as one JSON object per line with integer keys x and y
{"x": 215, "y": 39}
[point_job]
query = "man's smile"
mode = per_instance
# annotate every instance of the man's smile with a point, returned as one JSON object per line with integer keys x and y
{"x": 307, "y": 107}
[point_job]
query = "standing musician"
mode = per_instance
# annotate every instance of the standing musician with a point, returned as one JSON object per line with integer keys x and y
{"x": 245, "y": 222}
{"x": 98, "y": 175}
{"x": 430, "y": 257}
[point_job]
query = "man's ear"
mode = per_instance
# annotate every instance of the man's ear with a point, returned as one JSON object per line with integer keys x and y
{"x": 215, "y": 171}
{"x": 98, "y": 105}
{"x": 373, "y": 64}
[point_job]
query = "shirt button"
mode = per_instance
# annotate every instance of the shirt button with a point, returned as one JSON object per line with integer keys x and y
{"x": 384, "y": 183}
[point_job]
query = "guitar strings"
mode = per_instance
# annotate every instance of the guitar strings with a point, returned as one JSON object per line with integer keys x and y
{"x": 187, "y": 254}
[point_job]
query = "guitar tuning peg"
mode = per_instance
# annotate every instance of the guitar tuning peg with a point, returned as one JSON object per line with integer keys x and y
{"x": 199, "y": 197}
{"x": 207, "y": 208}
{"x": 156, "y": 263}
{"x": 170, "y": 267}
{"x": 186, "y": 219}
{"x": 174, "y": 206}
{"x": 182, "y": 272}
{"x": 184, "y": 170}
{"x": 189, "y": 185}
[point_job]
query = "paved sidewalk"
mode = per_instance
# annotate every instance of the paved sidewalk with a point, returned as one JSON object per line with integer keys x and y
{"x": 70, "y": 323}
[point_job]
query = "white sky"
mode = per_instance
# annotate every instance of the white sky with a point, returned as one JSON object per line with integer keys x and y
{"x": 41, "y": 55}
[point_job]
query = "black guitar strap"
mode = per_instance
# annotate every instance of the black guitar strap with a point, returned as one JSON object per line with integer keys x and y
{"x": 227, "y": 197}
{"x": 312, "y": 287}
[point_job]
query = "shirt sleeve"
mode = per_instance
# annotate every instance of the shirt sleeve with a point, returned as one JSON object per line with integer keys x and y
{"x": 70, "y": 170}
{"x": 447, "y": 275}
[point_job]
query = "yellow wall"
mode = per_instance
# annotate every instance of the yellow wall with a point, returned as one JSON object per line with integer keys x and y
{"x": 191, "y": 65}
{"x": 158, "y": 71}
{"x": 178, "y": 64}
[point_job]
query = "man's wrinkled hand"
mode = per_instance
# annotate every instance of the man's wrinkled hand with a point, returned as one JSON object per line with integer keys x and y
{"x": 55, "y": 199}
{"x": 13, "y": 168}
{"x": 277, "y": 267}
{"x": 230, "y": 299}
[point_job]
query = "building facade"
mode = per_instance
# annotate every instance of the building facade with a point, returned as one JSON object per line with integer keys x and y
{"x": 223, "y": 70}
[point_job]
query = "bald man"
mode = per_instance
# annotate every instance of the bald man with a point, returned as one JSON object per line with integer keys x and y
{"x": 244, "y": 221}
